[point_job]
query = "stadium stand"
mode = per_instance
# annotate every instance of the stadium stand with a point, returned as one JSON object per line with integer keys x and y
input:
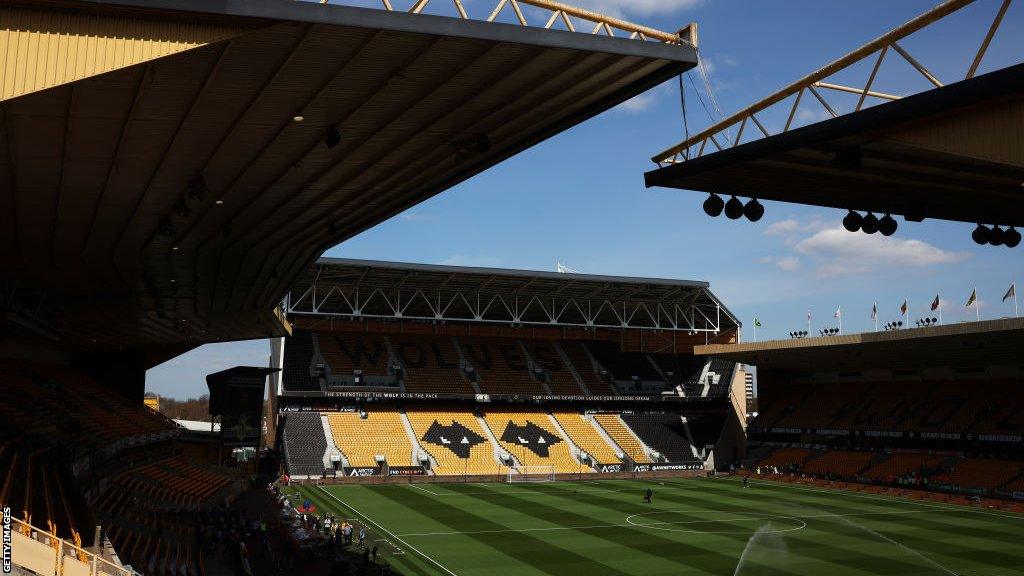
{"x": 430, "y": 364}
{"x": 304, "y": 443}
{"x": 559, "y": 378}
{"x": 362, "y": 436}
{"x": 441, "y": 433}
{"x": 899, "y": 465}
{"x": 705, "y": 429}
{"x": 582, "y": 432}
{"x": 624, "y": 366}
{"x": 725, "y": 370}
{"x": 664, "y": 433}
{"x": 585, "y": 369}
{"x": 838, "y": 463}
{"x": 501, "y": 365}
{"x": 621, "y": 435}
{"x": 529, "y": 436}
{"x": 346, "y": 355}
{"x": 982, "y": 473}
{"x": 299, "y": 351}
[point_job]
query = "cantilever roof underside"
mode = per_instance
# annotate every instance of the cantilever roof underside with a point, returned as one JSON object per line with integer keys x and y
{"x": 104, "y": 242}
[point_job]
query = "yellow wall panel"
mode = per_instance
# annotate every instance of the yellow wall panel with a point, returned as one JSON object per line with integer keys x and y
{"x": 40, "y": 49}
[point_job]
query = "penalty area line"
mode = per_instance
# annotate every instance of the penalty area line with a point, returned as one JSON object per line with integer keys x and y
{"x": 386, "y": 531}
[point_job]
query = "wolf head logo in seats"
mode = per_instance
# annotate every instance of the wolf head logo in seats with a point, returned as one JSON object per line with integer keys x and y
{"x": 454, "y": 437}
{"x": 531, "y": 437}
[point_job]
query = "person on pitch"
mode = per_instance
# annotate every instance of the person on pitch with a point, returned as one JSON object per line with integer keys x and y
{"x": 648, "y": 496}
{"x": 746, "y": 482}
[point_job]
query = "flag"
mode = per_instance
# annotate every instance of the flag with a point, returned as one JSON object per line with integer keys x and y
{"x": 1011, "y": 293}
{"x": 757, "y": 322}
{"x": 935, "y": 303}
{"x": 808, "y": 315}
{"x": 839, "y": 312}
{"x": 874, "y": 310}
{"x": 972, "y": 299}
{"x": 903, "y": 308}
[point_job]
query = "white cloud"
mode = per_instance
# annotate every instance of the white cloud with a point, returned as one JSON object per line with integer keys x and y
{"x": 806, "y": 116}
{"x": 787, "y": 226}
{"x": 841, "y": 253}
{"x": 784, "y": 263}
{"x": 638, "y": 103}
{"x": 637, "y": 7}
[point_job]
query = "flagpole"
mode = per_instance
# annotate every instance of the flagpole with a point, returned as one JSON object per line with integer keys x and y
{"x": 977, "y": 310}
{"x": 940, "y": 310}
{"x": 840, "y": 309}
{"x": 1014, "y": 299}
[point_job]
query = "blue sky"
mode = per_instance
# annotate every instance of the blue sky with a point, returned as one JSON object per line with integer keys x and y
{"x": 579, "y": 199}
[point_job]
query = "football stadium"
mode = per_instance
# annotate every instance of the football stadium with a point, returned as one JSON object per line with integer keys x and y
{"x": 175, "y": 175}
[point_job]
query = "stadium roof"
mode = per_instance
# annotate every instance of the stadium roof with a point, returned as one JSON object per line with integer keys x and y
{"x": 369, "y": 289}
{"x": 169, "y": 193}
{"x": 970, "y": 344}
{"x": 951, "y": 153}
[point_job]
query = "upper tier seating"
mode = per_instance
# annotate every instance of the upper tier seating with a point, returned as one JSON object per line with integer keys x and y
{"x": 304, "y": 443}
{"x": 560, "y": 379}
{"x": 501, "y": 366}
{"x": 455, "y": 439}
{"x": 298, "y": 360}
{"x": 624, "y": 365}
{"x": 585, "y": 368}
{"x": 430, "y": 364}
{"x": 725, "y": 369}
{"x": 346, "y": 352}
{"x": 362, "y": 439}
{"x": 532, "y": 439}
{"x": 38, "y": 488}
{"x": 586, "y": 437}
{"x": 622, "y": 436}
{"x": 664, "y": 433}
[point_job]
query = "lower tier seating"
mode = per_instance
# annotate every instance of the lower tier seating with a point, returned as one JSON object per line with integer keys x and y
{"x": 304, "y": 443}
{"x": 361, "y": 439}
{"x": 586, "y": 437}
{"x": 455, "y": 440}
{"x": 622, "y": 436}
{"x": 532, "y": 439}
{"x": 664, "y": 433}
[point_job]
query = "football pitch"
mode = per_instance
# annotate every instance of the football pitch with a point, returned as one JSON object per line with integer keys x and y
{"x": 693, "y": 526}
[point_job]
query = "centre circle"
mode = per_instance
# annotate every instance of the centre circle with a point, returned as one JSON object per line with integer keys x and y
{"x": 729, "y": 523}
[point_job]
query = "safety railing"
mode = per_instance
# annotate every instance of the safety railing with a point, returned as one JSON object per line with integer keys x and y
{"x": 42, "y": 552}
{"x": 569, "y": 17}
{"x": 721, "y": 136}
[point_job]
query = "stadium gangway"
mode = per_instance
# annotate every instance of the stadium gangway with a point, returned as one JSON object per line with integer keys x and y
{"x": 44, "y": 553}
{"x": 559, "y": 12}
{"x": 719, "y": 136}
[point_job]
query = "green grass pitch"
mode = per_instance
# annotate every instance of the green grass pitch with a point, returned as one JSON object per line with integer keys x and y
{"x": 696, "y": 526}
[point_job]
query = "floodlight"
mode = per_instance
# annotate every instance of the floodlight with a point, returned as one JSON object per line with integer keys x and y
{"x": 733, "y": 208}
{"x": 754, "y": 210}
{"x": 887, "y": 225}
{"x": 713, "y": 205}
{"x": 852, "y": 221}
{"x": 1011, "y": 237}
{"x": 995, "y": 237}
{"x": 870, "y": 224}
{"x": 981, "y": 234}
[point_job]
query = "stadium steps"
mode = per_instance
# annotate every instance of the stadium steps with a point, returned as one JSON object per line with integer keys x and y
{"x": 663, "y": 432}
{"x": 418, "y": 450}
{"x": 332, "y": 446}
{"x": 572, "y": 369}
{"x": 599, "y": 369}
{"x": 464, "y": 367}
{"x": 394, "y": 360}
{"x": 532, "y": 367}
{"x": 496, "y": 446}
{"x": 619, "y": 452}
{"x": 573, "y": 448}
{"x": 614, "y": 421}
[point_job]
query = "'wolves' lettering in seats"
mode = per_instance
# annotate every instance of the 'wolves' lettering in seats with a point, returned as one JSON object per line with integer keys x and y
{"x": 531, "y": 436}
{"x": 360, "y": 350}
{"x": 455, "y": 437}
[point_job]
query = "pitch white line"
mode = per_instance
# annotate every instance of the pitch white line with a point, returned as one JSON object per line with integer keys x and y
{"x": 427, "y": 490}
{"x": 629, "y": 524}
{"x": 386, "y": 531}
